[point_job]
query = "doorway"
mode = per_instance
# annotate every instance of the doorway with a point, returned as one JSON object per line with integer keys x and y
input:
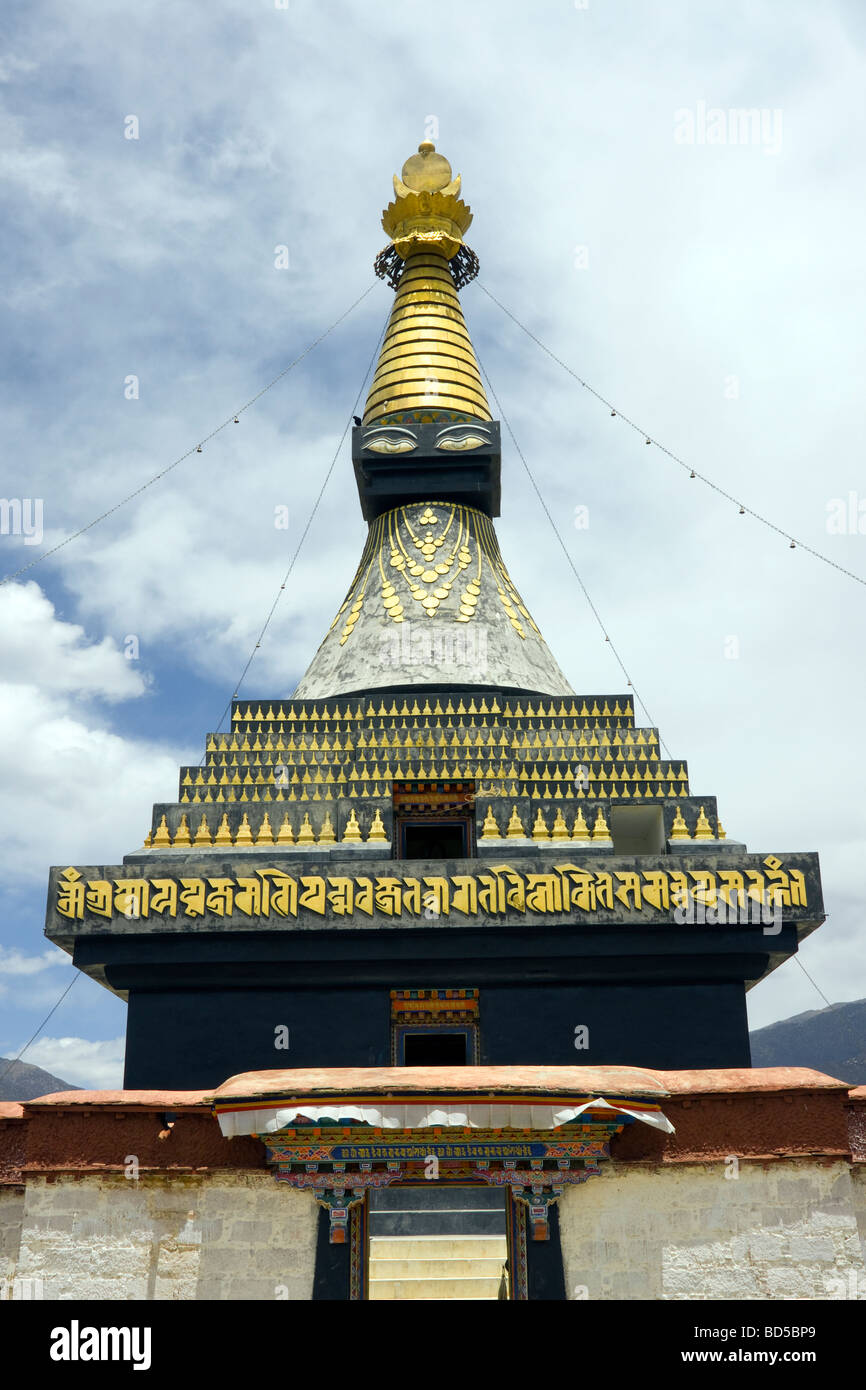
{"x": 434, "y": 1241}
{"x": 434, "y": 839}
{"x": 434, "y": 820}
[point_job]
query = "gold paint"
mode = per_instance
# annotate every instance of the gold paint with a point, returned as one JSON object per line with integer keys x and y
{"x": 326, "y": 834}
{"x": 427, "y": 363}
{"x": 539, "y": 829}
{"x": 502, "y": 890}
{"x": 284, "y": 834}
{"x": 182, "y": 835}
{"x": 305, "y": 834}
{"x": 224, "y": 834}
{"x": 377, "y": 829}
{"x": 703, "y": 829}
{"x": 162, "y": 837}
{"x": 245, "y": 834}
{"x": 203, "y": 835}
{"x": 680, "y": 830}
{"x": 600, "y": 830}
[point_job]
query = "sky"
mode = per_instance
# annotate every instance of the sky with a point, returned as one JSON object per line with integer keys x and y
{"x": 192, "y": 195}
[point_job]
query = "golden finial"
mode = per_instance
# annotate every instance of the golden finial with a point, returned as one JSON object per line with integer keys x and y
{"x": 539, "y": 829}
{"x": 305, "y": 834}
{"x": 377, "y": 829}
{"x": 600, "y": 831}
{"x": 679, "y": 830}
{"x": 703, "y": 829}
{"x": 427, "y": 208}
{"x": 203, "y": 835}
{"x": 490, "y": 828}
{"x": 245, "y": 834}
{"x": 720, "y": 831}
{"x": 515, "y": 829}
{"x": 352, "y": 832}
{"x": 224, "y": 834}
{"x": 162, "y": 836}
{"x": 182, "y": 835}
{"x": 581, "y": 829}
{"x": 427, "y": 366}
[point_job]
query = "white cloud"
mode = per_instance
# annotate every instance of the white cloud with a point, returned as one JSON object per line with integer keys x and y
{"x": 74, "y": 791}
{"x": 41, "y": 650}
{"x": 11, "y": 66}
{"x": 94, "y": 1066}
{"x": 703, "y": 264}
{"x": 14, "y": 963}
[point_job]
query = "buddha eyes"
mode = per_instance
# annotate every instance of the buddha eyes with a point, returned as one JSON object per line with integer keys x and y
{"x": 454, "y": 438}
{"x": 462, "y": 437}
{"x": 390, "y": 441}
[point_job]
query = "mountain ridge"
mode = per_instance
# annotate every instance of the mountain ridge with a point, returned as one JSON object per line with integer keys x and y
{"x": 831, "y": 1040}
{"x": 22, "y": 1081}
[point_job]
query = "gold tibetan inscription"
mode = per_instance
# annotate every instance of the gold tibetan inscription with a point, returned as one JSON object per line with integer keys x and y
{"x": 499, "y": 890}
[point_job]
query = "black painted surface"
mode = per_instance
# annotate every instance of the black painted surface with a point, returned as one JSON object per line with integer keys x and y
{"x": 205, "y": 1006}
{"x": 331, "y": 1279}
{"x": 471, "y": 477}
{"x": 196, "y": 1039}
{"x": 545, "y": 1273}
{"x": 189, "y": 1040}
{"x": 669, "y": 1027}
{"x": 435, "y": 1049}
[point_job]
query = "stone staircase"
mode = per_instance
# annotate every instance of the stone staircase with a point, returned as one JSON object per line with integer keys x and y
{"x": 436, "y": 1243}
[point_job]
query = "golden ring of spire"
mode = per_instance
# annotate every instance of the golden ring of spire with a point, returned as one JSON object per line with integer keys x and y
{"x": 427, "y": 366}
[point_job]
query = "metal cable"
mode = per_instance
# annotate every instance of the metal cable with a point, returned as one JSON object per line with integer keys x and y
{"x": 309, "y": 523}
{"x": 692, "y": 472}
{"x": 233, "y": 419}
{"x": 571, "y": 563}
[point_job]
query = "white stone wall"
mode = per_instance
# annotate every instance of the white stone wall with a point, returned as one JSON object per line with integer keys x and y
{"x": 213, "y": 1236}
{"x": 858, "y": 1191}
{"x": 11, "y": 1211}
{"x": 786, "y": 1230}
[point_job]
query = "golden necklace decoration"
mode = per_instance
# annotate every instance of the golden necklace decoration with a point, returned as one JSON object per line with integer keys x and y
{"x": 421, "y": 555}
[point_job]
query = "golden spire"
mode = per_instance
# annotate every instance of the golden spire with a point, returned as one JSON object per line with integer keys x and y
{"x": 427, "y": 369}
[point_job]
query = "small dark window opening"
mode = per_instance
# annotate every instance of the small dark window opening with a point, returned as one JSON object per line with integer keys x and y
{"x": 435, "y": 840}
{"x": 637, "y": 830}
{"x": 435, "y": 1049}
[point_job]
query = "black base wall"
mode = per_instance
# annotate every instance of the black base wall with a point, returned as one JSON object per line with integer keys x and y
{"x": 331, "y": 1280}
{"x": 544, "y": 1267}
{"x": 669, "y": 1027}
{"x": 190, "y": 1039}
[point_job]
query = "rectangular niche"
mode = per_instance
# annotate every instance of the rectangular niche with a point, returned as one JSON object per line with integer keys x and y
{"x": 434, "y": 1028}
{"x": 434, "y": 820}
{"x": 637, "y": 829}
